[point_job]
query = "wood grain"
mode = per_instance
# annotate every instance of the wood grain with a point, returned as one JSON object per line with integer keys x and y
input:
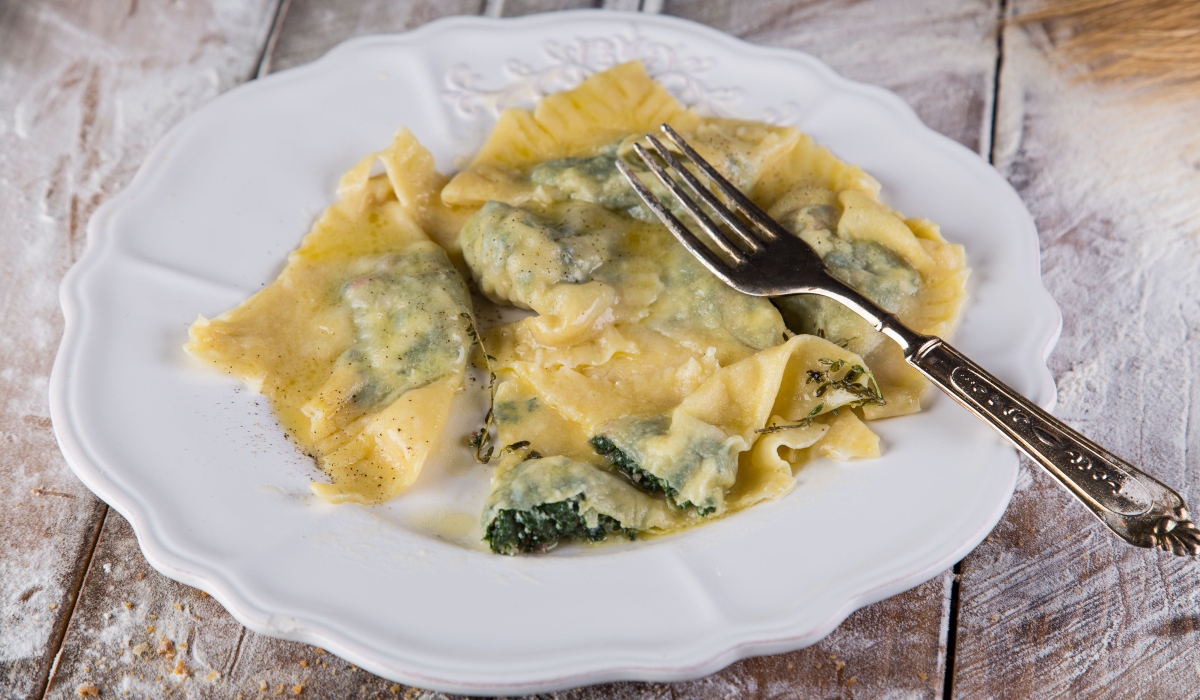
{"x": 518, "y": 8}
{"x": 1053, "y": 605}
{"x": 1050, "y": 606}
{"x": 85, "y": 89}
{"x": 894, "y": 648}
{"x": 308, "y": 28}
{"x": 939, "y": 55}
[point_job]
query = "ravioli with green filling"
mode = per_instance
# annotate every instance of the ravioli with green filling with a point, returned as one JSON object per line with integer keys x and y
{"x": 359, "y": 344}
{"x": 688, "y": 390}
{"x": 640, "y": 395}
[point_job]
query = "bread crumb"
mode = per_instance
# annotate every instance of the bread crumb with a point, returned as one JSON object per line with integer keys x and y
{"x": 820, "y": 665}
{"x": 87, "y": 669}
{"x": 141, "y": 576}
{"x": 995, "y": 617}
{"x": 177, "y": 606}
{"x": 395, "y": 689}
{"x": 166, "y": 648}
{"x": 53, "y": 606}
{"x": 88, "y": 689}
{"x": 304, "y": 663}
{"x": 262, "y": 685}
{"x": 150, "y": 629}
{"x": 319, "y": 650}
{"x": 127, "y": 605}
{"x": 158, "y": 677}
{"x": 922, "y": 676}
{"x": 203, "y": 594}
{"x": 139, "y": 649}
{"x": 212, "y": 676}
{"x": 851, "y": 682}
{"x": 297, "y": 689}
{"x": 179, "y": 668}
{"x": 840, "y": 665}
{"x": 279, "y": 690}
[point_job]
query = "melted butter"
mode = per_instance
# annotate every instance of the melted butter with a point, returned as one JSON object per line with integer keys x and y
{"x": 447, "y": 524}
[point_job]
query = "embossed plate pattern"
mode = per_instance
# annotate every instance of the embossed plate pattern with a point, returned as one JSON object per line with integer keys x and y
{"x": 218, "y": 497}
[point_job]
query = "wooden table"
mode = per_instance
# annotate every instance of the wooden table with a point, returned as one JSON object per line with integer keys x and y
{"x": 1049, "y": 605}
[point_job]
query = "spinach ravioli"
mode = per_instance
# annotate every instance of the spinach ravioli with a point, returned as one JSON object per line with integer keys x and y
{"x": 641, "y": 365}
{"x": 359, "y": 344}
{"x": 638, "y": 395}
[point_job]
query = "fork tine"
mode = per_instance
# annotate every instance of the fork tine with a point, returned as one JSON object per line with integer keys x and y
{"x": 771, "y": 230}
{"x": 690, "y": 205}
{"x": 709, "y": 259}
{"x": 744, "y": 232}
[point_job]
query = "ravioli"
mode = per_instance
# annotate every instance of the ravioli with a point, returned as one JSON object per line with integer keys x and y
{"x": 359, "y": 344}
{"x": 641, "y": 395}
{"x": 689, "y": 390}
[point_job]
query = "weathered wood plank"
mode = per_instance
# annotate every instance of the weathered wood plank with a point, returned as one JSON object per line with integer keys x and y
{"x": 1053, "y": 605}
{"x": 85, "y": 89}
{"x": 309, "y": 28}
{"x": 893, "y": 648}
{"x": 518, "y": 8}
{"x": 939, "y": 55}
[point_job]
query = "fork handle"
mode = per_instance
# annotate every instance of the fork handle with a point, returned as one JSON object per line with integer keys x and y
{"x": 1136, "y": 506}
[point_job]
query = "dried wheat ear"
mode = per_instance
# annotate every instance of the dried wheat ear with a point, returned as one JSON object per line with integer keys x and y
{"x": 1151, "y": 44}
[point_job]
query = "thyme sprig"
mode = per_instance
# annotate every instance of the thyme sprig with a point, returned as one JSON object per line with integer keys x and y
{"x": 807, "y": 421}
{"x": 481, "y": 439}
{"x": 867, "y": 394}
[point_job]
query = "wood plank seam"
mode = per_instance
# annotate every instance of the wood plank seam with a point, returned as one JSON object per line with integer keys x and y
{"x": 268, "y": 59}
{"x": 74, "y": 595}
{"x": 263, "y": 65}
{"x": 989, "y": 148}
{"x": 991, "y": 144}
{"x": 84, "y": 571}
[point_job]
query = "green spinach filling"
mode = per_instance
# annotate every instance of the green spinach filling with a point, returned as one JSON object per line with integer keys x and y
{"x": 651, "y": 483}
{"x": 544, "y": 526}
{"x": 410, "y": 314}
{"x": 595, "y": 180}
{"x": 871, "y": 268}
{"x": 691, "y": 462}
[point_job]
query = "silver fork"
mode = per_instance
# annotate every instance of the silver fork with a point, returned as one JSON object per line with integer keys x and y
{"x": 758, "y": 256}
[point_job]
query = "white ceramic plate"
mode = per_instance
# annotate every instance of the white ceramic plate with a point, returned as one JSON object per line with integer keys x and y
{"x": 218, "y": 497}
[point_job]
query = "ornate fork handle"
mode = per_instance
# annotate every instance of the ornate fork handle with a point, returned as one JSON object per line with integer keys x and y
{"x": 1139, "y": 508}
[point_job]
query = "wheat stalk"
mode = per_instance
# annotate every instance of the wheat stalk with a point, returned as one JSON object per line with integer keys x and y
{"x": 1153, "y": 44}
